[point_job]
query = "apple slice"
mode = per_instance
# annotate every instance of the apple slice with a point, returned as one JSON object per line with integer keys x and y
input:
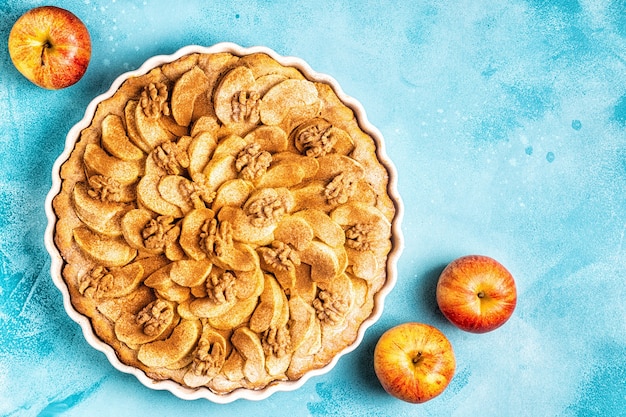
{"x": 106, "y": 251}
{"x": 161, "y": 281}
{"x": 208, "y": 308}
{"x": 289, "y": 95}
{"x": 115, "y": 141}
{"x": 131, "y": 126}
{"x": 243, "y": 230}
{"x": 171, "y": 188}
{"x": 232, "y": 193}
{"x": 270, "y": 308}
{"x": 149, "y": 196}
{"x": 162, "y": 353}
{"x": 303, "y": 285}
{"x": 103, "y": 217}
{"x": 249, "y": 346}
{"x": 190, "y": 272}
{"x": 279, "y": 264}
{"x": 266, "y": 81}
{"x": 236, "y": 82}
{"x": 200, "y": 150}
{"x": 304, "y": 327}
{"x": 113, "y": 308}
{"x": 294, "y": 231}
{"x": 272, "y": 139}
{"x": 208, "y": 359}
{"x": 231, "y": 145}
{"x": 190, "y": 232}
{"x": 125, "y": 280}
{"x": 238, "y": 257}
{"x": 308, "y": 163}
{"x": 185, "y": 92}
{"x": 219, "y": 170}
{"x": 236, "y": 316}
{"x": 154, "y": 321}
{"x": 133, "y": 224}
{"x": 174, "y": 128}
{"x": 282, "y": 175}
{"x": 363, "y": 264}
{"x": 277, "y": 362}
{"x": 323, "y": 260}
{"x": 334, "y": 164}
{"x": 335, "y": 140}
{"x": 96, "y": 159}
{"x": 205, "y": 124}
{"x": 312, "y": 195}
{"x": 324, "y": 227}
{"x": 150, "y": 130}
{"x": 341, "y": 296}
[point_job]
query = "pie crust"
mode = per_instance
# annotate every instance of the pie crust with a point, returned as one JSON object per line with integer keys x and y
{"x": 225, "y": 221}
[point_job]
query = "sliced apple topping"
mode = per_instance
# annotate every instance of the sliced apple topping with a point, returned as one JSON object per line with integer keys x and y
{"x": 152, "y": 322}
{"x": 366, "y": 227}
{"x": 148, "y": 126}
{"x": 323, "y": 226}
{"x": 207, "y": 123}
{"x": 272, "y": 139}
{"x": 281, "y": 260}
{"x": 304, "y": 327}
{"x": 237, "y": 315}
{"x": 298, "y": 96}
{"x": 323, "y": 260}
{"x": 103, "y": 282}
{"x": 200, "y": 151}
{"x": 190, "y": 272}
{"x": 295, "y": 231}
{"x": 232, "y": 193}
{"x": 186, "y": 90}
{"x": 193, "y": 227}
{"x": 103, "y": 217}
{"x": 249, "y": 346}
{"x": 270, "y": 308}
{"x": 244, "y": 229}
{"x": 116, "y": 142}
{"x": 208, "y": 358}
{"x": 236, "y": 99}
{"x": 162, "y": 353}
{"x": 130, "y": 112}
{"x": 104, "y": 250}
{"x": 334, "y": 300}
{"x": 165, "y": 287}
{"x": 220, "y": 297}
{"x": 148, "y": 195}
{"x": 317, "y": 137}
{"x": 98, "y": 161}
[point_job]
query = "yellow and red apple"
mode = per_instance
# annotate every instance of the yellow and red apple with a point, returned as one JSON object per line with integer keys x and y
{"x": 414, "y": 362}
{"x": 50, "y": 46}
{"x": 476, "y": 293}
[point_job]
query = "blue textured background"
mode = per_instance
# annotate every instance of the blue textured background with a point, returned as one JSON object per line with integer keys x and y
{"x": 507, "y": 123}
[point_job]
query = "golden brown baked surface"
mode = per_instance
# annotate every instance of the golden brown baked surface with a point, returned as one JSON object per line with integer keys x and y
{"x": 224, "y": 222}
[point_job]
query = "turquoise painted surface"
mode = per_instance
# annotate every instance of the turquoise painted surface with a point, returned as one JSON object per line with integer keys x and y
{"x": 507, "y": 123}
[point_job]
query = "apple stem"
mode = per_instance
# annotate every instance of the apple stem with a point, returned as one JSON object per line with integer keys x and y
{"x": 481, "y": 294}
{"x": 46, "y": 45}
{"x": 417, "y": 357}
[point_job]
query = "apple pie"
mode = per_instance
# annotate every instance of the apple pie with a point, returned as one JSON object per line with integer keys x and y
{"x": 224, "y": 222}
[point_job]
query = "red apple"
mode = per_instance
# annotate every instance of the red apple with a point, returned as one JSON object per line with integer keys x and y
{"x": 414, "y": 362}
{"x": 50, "y": 46}
{"x": 476, "y": 293}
